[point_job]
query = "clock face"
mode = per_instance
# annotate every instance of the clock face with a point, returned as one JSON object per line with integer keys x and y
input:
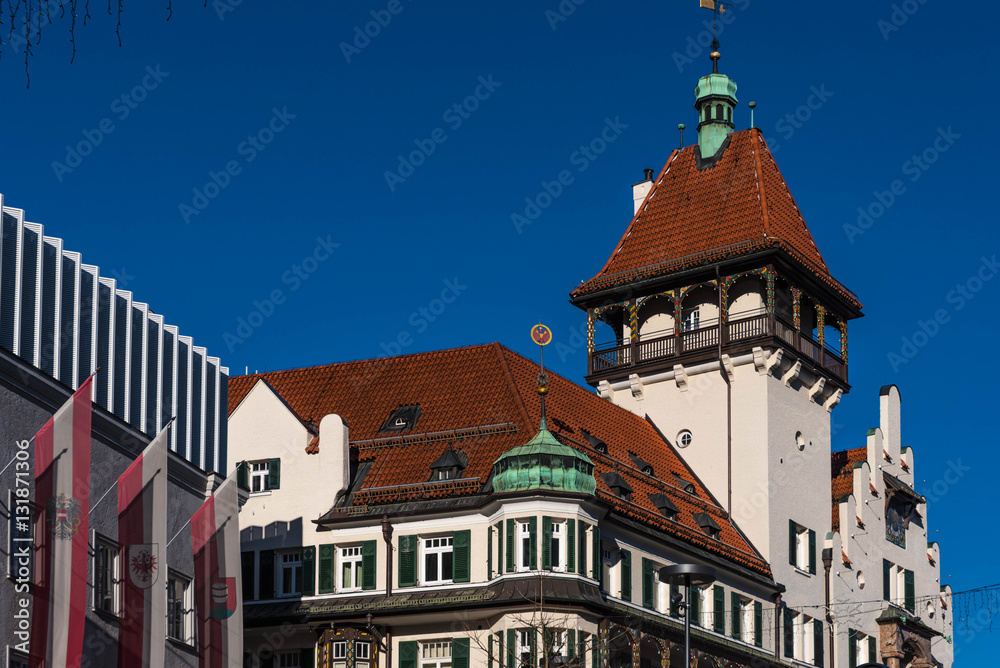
{"x": 541, "y": 335}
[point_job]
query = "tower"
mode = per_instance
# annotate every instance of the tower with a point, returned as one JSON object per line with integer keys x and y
{"x": 717, "y": 319}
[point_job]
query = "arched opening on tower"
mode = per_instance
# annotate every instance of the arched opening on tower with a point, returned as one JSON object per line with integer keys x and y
{"x": 620, "y": 648}
{"x": 610, "y": 327}
{"x": 649, "y": 653}
{"x": 656, "y": 318}
{"x": 747, "y": 298}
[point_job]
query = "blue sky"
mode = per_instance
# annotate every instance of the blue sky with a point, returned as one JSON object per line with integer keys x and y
{"x": 250, "y": 150}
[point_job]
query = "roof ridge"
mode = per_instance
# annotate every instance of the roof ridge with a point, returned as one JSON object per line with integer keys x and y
{"x": 518, "y": 400}
{"x": 761, "y": 191}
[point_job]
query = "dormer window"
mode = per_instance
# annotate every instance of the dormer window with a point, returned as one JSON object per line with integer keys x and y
{"x": 685, "y": 485}
{"x": 641, "y": 464}
{"x": 401, "y": 419}
{"x": 595, "y": 443}
{"x": 665, "y": 506}
{"x": 618, "y": 485}
{"x": 707, "y": 525}
{"x": 449, "y": 466}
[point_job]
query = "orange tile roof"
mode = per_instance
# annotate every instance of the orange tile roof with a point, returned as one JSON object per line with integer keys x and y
{"x": 842, "y": 473}
{"x": 692, "y": 217}
{"x": 482, "y": 400}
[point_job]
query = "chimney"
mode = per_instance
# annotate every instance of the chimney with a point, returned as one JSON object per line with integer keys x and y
{"x": 641, "y": 189}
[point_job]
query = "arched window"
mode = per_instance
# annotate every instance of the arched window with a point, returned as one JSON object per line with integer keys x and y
{"x": 718, "y": 112}
{"x": 729, "y": 114}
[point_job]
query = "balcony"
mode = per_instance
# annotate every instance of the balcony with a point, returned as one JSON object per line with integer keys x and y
{"x": 702, "y": 344}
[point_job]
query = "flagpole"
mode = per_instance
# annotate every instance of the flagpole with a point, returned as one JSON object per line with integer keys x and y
{"x": 189, "y": 521}
{"x": 115, "y": 483}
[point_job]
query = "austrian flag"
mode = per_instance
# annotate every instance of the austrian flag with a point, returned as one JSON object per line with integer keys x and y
{"x": 142, "y": 532}
{"x": 62, "y": 495}
{"x": 215, "y": 540}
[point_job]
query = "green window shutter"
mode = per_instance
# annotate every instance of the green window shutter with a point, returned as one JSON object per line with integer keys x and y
{"x": 274, "y": 474}
{"x": 595, "y": 541}
{"x": 571, "y": 641}
{"x": 489, "y": 653}
{"x": 546, "y": 543}
{"x": 818, "y": 643}
{"x": 595, "y": 651}
{"x": 792, "y": 532}
{"x": 327, "y": 565}
{"x": 307, "y": 657}
{"x": 548, "y": 640}
{"x": 582, "y": 648}
{"x": 511, "y": 648}
{"x": 533, "y": 643}
{"x": 461, "y": 555}
{"x": 758, "y": 624}
{"x": 734, "y": 600}
{"x": 408, "y": 654}
{"x": 812, "y": 551}
{"x": 532, "y": 543}
{"x": 886, "y": 580}
{"x": 489, "y": 558}
{"x": 581, "y": 562}
{"x": 909, "y": 598}
{"x": 500, "y": 565}
{"x": 872, "y": 653}
{"x": 460, "y": 653}
{"x": 675, "y": 610}
{"x": 852, "y": 648}
{"x": 570, "y": 546}
{"x": 407, "y": 561}
{"x": 719, "y": 609}
{"x": 369, "y": 560}
{"x": 695, "y": 604}
{"x": 626, "y": 569}
{"x": 647, "y": 583}
{"x": 789, "y": 631}
{"x": 241, "y": 476}
{"x": 308, "y": 571}
{"x": 511, "y": 528}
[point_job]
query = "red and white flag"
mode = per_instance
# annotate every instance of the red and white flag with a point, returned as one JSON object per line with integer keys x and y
{"x": 215, "y": 540}
{"x": 62, "y": 500}
{"x": 142, "y": 534}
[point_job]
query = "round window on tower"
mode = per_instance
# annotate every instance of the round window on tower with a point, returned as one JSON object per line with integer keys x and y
{"x": 800, "y": 441}
{"x": 684, "y": 438}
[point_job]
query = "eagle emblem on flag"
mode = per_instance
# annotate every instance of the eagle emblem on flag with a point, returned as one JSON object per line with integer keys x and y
{"x": 64, "y": 517}
{"x": 143, "y": 564}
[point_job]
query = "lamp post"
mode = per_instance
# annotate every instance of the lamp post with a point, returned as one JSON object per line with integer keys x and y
{"x": 687, "y": 575}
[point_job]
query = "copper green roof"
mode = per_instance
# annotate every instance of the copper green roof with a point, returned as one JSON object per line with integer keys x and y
{"x": 543, "y": 463}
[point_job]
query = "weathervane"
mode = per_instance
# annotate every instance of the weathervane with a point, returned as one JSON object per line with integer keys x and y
{"x": 717, "y": 8}
{"x": 542, "y": 336}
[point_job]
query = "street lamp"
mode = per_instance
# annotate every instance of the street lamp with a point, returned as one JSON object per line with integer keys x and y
{"x": 687, "y": 575}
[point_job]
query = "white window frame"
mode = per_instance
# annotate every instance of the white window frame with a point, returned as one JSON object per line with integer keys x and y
{"x": 259, "y": 473}
{"x": 802, "y": 548}
{"x": 802, "y": 633}
{"x": 691, "y": 320}
{"x": 439, "y": 546}
{"x": 439, "y": 651}
{"x": 102, "y": 544}
{"x": 186, "y": 635}
{"x": 608, "y": 566}
{"x": 746, "y": 620}
{"x": 559, "y": 641}
{"x": 523, "y": 648}
{"x": 290, "y": 561}
{"x": 522, "y": 546}
{"x": 349, "y": 555}
{"x": 362, "y": 653}
{"x": 558, "y": 547}
{"x": 338, "y": 652}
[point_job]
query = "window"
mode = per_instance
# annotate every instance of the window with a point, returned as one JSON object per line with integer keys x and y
{"x": 435, "y": 655}
{"x": 291, "y": 573}
{"x": 898, "y": 585}
{"x": 259, "y": 473}
{"x": 684, "y": 438}
{"x": 556, "y": 641}
{"x": 290, "y": 660}
{"x": 106, "y": 576}
{"x": 607, "y": 561}
{"x": 17, "y": 660}
{"x": 524, "y": 546}
{"x": 558, "y": 546}
{"x": 180, "y": 608}
{"x": 801, "y": 547}
{"x": 746, "y": 620}
{"x": 692, "y": 319}
{"x": 338, "y": 651}
{"x": 362, "y": 654}
{"x": 524, "y": 646}
{"x": 350, "y": 569}
{"x": 437, "y": 562}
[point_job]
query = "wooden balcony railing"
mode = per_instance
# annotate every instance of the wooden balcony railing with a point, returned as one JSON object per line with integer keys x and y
{"x": 664, "y": 347}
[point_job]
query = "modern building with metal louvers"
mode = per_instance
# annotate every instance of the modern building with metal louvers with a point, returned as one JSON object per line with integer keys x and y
{"x": 66, "y": 319}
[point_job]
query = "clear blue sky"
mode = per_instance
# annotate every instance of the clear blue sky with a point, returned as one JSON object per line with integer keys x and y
{"x": 447, "y": 226}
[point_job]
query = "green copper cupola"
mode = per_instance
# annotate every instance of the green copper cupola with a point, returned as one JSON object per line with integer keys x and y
{"x": 715, "y": 100}
{"x": 544, "y": 464}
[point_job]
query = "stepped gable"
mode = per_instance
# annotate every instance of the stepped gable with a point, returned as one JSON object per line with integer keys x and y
{"x": 842, "y": 473}
{"x": 692, "y": 217}
{"x": 482, "y": 400}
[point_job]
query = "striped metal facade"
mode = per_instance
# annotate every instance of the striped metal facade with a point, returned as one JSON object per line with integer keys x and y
{"x": 67, "y": 320}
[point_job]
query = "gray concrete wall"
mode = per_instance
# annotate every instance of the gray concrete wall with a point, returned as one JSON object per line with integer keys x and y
{"x": 28, "y": 399}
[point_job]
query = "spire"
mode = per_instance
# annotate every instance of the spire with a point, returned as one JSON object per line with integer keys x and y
{"x": 715, "y": 98}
